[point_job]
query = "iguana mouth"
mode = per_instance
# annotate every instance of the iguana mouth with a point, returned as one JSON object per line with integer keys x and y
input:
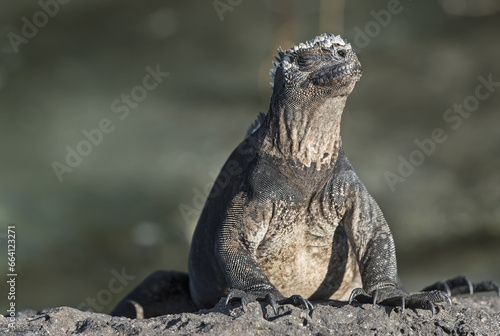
{"x": 326, "y": 77}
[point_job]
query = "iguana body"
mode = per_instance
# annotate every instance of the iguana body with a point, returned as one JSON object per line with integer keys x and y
{"x": 293, "y": 221}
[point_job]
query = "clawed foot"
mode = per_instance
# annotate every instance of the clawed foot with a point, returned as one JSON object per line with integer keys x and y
{"x": 462, "y": 285}
{"x": 272, "y": 298}
{"x": 436, "y": 294}
{"x": 391, "y": 296}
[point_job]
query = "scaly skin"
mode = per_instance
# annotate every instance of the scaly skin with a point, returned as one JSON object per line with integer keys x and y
{"x": 288, "y": 219}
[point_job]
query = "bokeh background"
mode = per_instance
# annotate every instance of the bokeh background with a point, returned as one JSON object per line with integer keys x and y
{"x": 119, "y": 209}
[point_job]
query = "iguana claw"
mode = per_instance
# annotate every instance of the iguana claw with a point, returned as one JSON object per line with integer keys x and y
{"x": 246, "y": 297}
{"x": 487, "y": 286}
{"x": 242, "y": 295}
{"x": 355, "y": 292}
{"x": 298, "y": 300}
{"x": 272, "y": 302}
{"x": 396, "y": 297}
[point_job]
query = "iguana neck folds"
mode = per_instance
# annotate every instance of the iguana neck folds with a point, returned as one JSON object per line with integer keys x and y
{"x": 306, "y": 138}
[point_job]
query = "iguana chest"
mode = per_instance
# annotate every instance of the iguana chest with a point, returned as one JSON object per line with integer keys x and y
{"x": 304, "y": 250}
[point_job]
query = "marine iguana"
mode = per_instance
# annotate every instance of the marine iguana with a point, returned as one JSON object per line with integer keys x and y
{"x": 288, "y": 220}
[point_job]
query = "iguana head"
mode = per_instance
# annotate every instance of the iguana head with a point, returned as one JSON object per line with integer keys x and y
{"x": 325, "y": 66}
{"x": 311, "y": 83}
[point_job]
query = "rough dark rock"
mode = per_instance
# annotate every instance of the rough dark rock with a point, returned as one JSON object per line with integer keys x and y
{"x": 468, "y": 316}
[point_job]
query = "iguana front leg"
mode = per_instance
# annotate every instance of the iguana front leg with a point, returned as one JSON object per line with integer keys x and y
{"x": 235, "y": 248}
{"x": 370, "y": 235}
{"x": 372, "y": 241}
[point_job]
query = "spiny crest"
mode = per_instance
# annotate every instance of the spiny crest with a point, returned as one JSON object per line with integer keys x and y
{"x": 256, "y": 124}
{"x": 322, "y": 41}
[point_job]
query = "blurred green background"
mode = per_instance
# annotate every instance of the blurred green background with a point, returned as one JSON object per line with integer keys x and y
{"x": 118, "y": 210}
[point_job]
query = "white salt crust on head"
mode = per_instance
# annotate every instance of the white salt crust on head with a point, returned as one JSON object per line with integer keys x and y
{"x": 324, "y": 41}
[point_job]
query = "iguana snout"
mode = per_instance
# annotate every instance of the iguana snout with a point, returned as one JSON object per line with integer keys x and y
{"x": 327, "y": 62}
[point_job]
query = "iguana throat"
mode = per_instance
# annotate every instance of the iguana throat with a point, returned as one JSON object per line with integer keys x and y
{"x": 306, "y": 138}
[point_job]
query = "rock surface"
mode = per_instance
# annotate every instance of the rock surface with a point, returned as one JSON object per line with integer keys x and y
{"x": 468, "y": 316}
